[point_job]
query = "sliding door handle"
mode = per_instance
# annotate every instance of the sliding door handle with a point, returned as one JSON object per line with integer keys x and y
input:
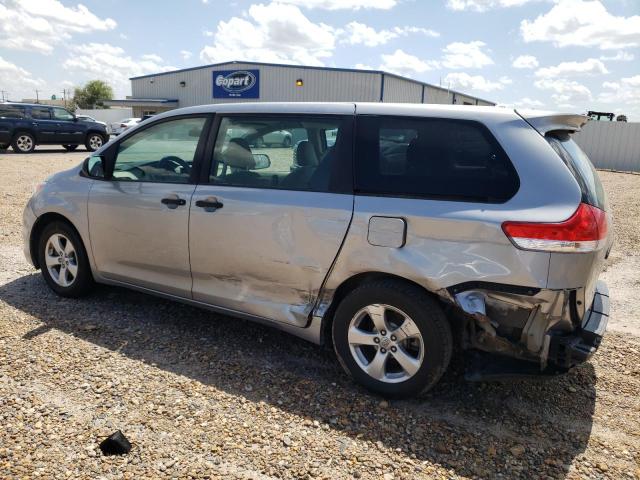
{"x": 210, "y": 204}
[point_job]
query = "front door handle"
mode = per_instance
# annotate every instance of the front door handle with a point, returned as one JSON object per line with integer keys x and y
{"x": 210, "y": 204}
{"x": 173, "y": 202}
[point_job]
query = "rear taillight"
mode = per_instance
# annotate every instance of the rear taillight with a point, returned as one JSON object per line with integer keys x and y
{"x": 584, "y": 231}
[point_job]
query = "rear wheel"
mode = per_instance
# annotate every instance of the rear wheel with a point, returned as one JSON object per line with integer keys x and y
{"x": 23, "y": 142}
{"x": 63, "y": 260}
{"x": 286, "y": 142}
{"x": 70, "y": 148}
{"x": 393, "y": 338}
{"x": 94, "y": 142}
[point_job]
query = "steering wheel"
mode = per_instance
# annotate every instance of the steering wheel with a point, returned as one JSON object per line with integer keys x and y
{"x": 171, "y": 162}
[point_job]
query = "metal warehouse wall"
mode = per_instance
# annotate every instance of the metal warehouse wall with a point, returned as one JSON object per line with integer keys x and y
{"x": 612, "y": 145}
{"x": 277, "y": 84}
{"x": 437, "y": 95}
{"x": 399, "y": 90}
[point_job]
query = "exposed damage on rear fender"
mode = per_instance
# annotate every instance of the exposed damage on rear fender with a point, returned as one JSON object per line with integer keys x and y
{"x": 516, "y": 322}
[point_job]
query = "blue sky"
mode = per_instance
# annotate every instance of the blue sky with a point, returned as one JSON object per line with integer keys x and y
{"x": 556, "y": 54}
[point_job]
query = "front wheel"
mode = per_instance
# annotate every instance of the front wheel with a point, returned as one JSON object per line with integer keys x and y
{"x": 63, "y": 261}
{"x": 286, "y": 142}
{"x": 94, "y": 142}
{"x": 392, "y": 338}
{"x": 70, "y": 148}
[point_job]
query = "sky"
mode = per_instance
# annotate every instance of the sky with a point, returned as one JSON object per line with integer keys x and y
{"x": 571, "y": 55}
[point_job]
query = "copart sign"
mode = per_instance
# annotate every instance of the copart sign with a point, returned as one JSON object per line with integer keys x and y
{"x": 236, "y": 84}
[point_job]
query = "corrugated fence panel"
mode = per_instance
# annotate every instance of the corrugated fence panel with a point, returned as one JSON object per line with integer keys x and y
{"x": 612, "y": 145}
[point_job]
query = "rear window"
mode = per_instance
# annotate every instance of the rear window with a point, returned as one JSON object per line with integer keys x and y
{"x": 432, "y": 158}
{"x": 11, "y": 111}
{"x": 581, "y": 167}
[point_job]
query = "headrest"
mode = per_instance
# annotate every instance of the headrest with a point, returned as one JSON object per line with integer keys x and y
{"x": 238, "y": 154}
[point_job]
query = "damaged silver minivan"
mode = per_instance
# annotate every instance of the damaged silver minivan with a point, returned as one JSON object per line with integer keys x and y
{"x": 399, "y": 233}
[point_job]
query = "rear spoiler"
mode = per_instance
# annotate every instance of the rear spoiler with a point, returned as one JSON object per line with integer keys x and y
{"x": 545, "y": 122}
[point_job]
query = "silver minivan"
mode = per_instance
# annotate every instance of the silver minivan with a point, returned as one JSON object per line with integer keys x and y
{"x": 399, "y": 233}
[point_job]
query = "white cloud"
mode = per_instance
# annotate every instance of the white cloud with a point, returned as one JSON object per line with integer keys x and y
{"x": 484, "y": 5}
{"x": 404, "y": 63}
{"x": 111, "y": 63}
{"x": 17, "y": 82}
{"x": 465, "y": 55}
{"x": 565, "y": 92}
{"x": 363, "y": 66}
{"x": 589, "y": 67}
{"x": 622, "y": 94}
{"x": 271, "y": 33}
{"x": 358, "y": 33}
{"x": 344, "y": 4}
{"x": 527, "y": 102}
{"x": 38, "y": 25}
{"x": 525, "y": 61}
{"x": 620, "y": 56}
{"x": 186, "y": 54}
{"x": 585, "y": 23}
{"x": 463, "y": 80}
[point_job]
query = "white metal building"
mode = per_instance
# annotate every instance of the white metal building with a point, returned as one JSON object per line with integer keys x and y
{"x": 268, "y": 82}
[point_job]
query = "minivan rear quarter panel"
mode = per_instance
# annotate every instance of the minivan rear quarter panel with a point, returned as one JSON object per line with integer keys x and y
{"x": 451, "y": 242}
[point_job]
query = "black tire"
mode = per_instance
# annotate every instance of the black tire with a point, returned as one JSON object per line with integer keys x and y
{"x": 259, "y": 143}
{"x": 83, "y": 281}
{"x": 94, "y": 141}
{"x": 70, "y": 148}
{"x": 286, "y": 143}
{"x": 23, "y": 142}
{"x": 419, "y": 307}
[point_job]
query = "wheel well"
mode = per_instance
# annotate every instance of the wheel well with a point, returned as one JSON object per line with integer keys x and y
{"x": 351, "y": 284}
{"x": 102, "y": 134}
{"x": 37, "y": 229}
{"x": 24, "y": 130}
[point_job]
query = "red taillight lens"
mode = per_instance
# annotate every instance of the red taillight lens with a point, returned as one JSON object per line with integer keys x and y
{"x": 584, "y": 231}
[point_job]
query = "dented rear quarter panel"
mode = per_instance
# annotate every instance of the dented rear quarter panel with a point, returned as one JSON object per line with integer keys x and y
{"x": 451, "y": 242}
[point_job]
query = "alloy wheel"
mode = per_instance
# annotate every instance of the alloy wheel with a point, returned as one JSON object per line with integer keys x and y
{"x": 95, "y": 142}
{"x": 61, "y": 260}
{"x": 386, "y": 343}
{"x": 24, "y": 143}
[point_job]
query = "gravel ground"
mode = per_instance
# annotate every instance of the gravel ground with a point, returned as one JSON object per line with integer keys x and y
{"x": 203, "y": 397}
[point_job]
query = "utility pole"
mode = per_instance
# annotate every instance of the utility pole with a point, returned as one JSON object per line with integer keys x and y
{"x": 3, "y": 92}
{"x": 37, "y": 98}
{"x": 64, "y": 97}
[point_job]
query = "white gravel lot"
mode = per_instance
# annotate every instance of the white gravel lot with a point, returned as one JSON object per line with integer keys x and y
{"x": 206, "y": 396}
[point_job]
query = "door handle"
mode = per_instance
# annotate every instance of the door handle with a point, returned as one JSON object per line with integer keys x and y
{"x": 173, "y": 202}
{"x": 210, "y": 204}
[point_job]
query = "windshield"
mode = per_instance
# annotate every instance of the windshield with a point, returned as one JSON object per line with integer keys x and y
{"x": 581, "y": 168}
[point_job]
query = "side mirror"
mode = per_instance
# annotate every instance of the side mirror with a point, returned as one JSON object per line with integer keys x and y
{"x": 261, "y": 160}
{"x": 94, "y": 166}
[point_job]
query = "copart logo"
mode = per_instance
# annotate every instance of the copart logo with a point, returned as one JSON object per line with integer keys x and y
{"x": 236, "y": 82}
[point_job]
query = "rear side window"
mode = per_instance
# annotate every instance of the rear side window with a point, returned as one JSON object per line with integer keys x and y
{"x": 432, "y": 158}
{"x": 40, "y": 113}
{"x": 581, "y": 167}
{"x": 11, "y": 111}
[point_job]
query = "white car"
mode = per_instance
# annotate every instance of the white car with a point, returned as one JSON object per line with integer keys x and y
{"x": 118, "y": 127}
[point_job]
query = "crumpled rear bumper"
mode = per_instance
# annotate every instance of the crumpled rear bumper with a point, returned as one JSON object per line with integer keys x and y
{"x": 566, "y": 351}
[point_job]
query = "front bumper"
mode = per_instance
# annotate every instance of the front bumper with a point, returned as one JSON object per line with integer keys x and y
{"x": 566, "y": 351}
{"x": 28, "y": 220}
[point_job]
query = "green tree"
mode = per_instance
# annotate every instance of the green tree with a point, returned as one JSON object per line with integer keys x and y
{"x": 93, "y": 94}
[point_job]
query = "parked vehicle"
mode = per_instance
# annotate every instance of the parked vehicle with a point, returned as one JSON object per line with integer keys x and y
{"x": 118, "y": 127}
{"x": 24, "y": 125}
{"x": 396, "y": 237}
